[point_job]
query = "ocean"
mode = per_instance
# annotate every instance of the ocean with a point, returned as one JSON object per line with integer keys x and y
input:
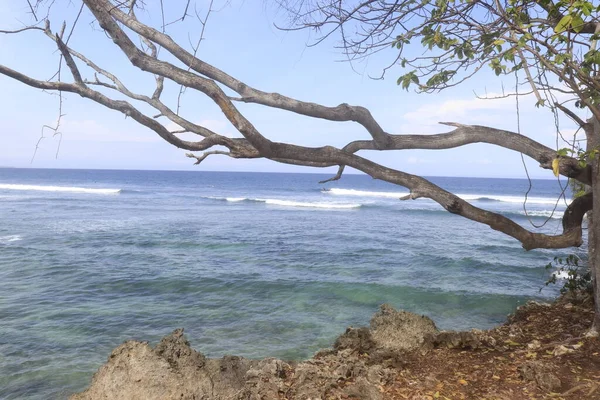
{"x": 250, "y": 264}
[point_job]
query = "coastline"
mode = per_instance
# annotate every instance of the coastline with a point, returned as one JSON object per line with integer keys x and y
{"x": 540, "y": 352}
{"x": 91, "y": 259}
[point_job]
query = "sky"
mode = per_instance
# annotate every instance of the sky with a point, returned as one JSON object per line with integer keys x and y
{"x": 241, "y": 38}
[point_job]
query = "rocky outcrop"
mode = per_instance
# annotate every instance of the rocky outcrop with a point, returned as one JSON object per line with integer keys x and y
{"x": 361, "y": 360}
{"x": 171, "y": 370}
{"x": 400, "y": 330}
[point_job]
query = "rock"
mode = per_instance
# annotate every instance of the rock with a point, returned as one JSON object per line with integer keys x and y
{"x": 379, "y": 375}
{"x": 452, "y": 339}
{"x": 523, "y": 311}
{"x": 390, "y": 331}
{"x": 176, "y": 350}
{"x": 549, "y": 382}
{"x": 310, "y": 382}
{"x": 342, "y": 372}
{"x": 358, "y": 339}
{"x": 172, "y": 370}
{"x": 362, "y": 359}
{"x": 363, "y": 390}
{"x": 265, "y": 380}
{"x": 538, "y": 372}
{"x": 400, "y": 330}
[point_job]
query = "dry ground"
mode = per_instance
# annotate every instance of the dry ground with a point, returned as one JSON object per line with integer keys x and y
{"x": 541, "y": 353}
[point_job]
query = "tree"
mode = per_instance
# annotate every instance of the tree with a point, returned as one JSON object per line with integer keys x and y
{"x": 552, "y": 43}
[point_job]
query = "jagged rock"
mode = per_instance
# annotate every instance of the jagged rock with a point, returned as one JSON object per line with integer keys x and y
{"x": 378, "y": 374}
{"x": 172, "y": 370}
{"x": 363, "y": 390}
{"x": 523, "y": 311}
{"x": 265, "y": 380}
{"x": 314, "y": 379}
{"x": 362, "y": 359}
{"x": 176, "y": 350}
{"x": 357, "y": 339}
{"x": 538, "y": 372}
{"x": 400, "y": 330}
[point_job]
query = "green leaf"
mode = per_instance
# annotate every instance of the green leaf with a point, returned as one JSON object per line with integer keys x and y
{"x": 563, "y": 24}
{"x": 577, "y": 23}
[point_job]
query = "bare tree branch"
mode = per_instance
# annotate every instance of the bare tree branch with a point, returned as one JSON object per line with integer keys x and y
{"x": 337, "y": 176}
{"x": 206, "y": 79}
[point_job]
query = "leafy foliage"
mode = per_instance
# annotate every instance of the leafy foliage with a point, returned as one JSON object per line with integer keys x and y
{"x": 578, "y": 277}
{"x": 441, "y": 43}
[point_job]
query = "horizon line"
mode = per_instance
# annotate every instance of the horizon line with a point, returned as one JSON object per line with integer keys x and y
{"x": 257, "y": 172}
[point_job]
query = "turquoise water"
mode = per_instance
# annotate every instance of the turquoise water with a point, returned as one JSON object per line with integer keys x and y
{"x": 249, "y": 264}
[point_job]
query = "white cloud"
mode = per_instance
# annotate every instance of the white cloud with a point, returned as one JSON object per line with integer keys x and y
{"x": 455, "y": 110}
{"x": 493, "y": 110}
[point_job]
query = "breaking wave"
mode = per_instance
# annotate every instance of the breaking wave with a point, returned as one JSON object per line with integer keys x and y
{"x": 291, "y": 203}
{"x": 562, "y": 274}
{"x": 10, "y": 238}
{"x": 508, "y": 199}
{"x": 544, "y": 213}
{"x": 64, "y": 189}
{"x": 468, "y": 197}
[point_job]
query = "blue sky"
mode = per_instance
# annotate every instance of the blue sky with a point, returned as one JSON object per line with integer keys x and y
{"x": 242, "y": 40}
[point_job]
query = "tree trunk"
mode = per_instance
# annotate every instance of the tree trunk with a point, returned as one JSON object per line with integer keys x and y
{"x": 594, "y": 248}
{"x": 593, "y": 142}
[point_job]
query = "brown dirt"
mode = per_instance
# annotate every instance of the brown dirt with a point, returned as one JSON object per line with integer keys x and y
{"x": 519, "y": 360}
{"x": 540, "y": 353}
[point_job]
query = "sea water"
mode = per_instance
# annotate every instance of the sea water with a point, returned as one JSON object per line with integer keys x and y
{"x": 251, "y": 264}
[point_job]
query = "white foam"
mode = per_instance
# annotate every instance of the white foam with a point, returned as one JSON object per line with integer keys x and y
{"x": 290, "y": 203}
{"x": 68, "y": 189}
{"x": 561, "y": 274}
{"x": 510, "y": 199}
{"x": 10, "y": 238}
{"x": 230, "y": 199}
{"x": 468, "y": 197}
{"x": 544, "y": 213}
